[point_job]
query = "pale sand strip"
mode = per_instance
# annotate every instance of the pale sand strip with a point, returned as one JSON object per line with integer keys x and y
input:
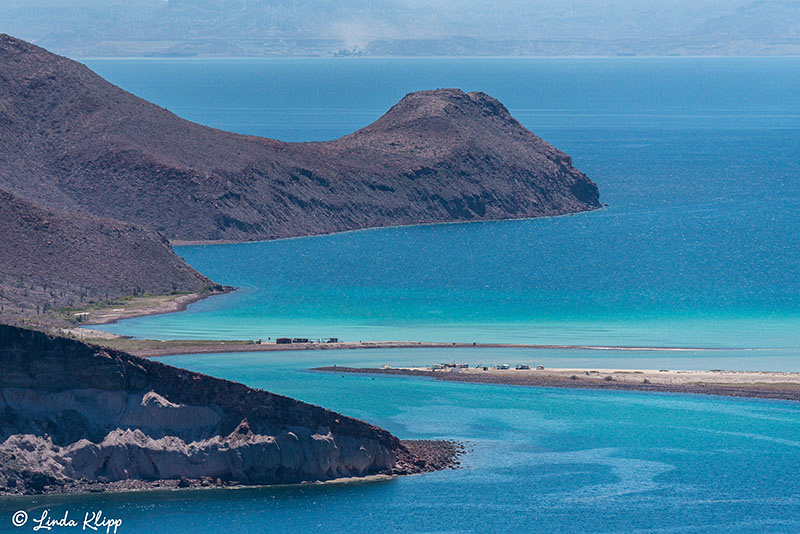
{"x": 765, "y": 384}
{"x": 153, "y": 348}
{"x": 143, "y": 306}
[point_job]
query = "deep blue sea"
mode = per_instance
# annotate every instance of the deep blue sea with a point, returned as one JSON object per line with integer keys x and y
{"x": 698, "y": 161}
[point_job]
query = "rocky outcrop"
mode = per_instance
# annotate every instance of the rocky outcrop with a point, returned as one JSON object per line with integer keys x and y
{"x": 71, "y": 140}
{"x": 73, "y": 415}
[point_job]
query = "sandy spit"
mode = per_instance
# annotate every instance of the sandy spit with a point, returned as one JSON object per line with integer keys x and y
{"x": 769, "y": 385}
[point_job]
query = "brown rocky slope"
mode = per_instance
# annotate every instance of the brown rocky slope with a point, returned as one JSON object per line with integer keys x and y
{"x": 76, "y": 417}
{"x": 71, "y": 140}
{"x": 51, "y": 258}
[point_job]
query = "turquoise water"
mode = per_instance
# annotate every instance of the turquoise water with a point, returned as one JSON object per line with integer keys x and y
{"x": 697, "y": 160}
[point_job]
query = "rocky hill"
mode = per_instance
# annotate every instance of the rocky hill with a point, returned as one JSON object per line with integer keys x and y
{"x": 75, "y": 417}
{"x": 51, "y": 258}
{"x": 71, "y": 140}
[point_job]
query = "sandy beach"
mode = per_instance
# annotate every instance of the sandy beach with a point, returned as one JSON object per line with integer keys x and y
{"x": 770, "y": 385}
{"x": 142, "y": 306}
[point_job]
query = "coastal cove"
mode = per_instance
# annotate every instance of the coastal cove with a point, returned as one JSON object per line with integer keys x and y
{"x": 697, "y": 247}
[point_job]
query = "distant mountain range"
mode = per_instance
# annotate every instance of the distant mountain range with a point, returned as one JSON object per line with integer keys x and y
{"x": 83, "y": 28}
{"x": 92, "y": 178}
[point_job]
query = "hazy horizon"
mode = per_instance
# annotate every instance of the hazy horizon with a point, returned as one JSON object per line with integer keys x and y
{"x": 266, "y": 28}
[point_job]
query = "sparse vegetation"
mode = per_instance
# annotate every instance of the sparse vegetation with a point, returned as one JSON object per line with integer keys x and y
{"x": 50, "y": 273}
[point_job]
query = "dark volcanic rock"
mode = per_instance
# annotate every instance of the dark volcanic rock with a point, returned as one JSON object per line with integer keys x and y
{"x": 53, "y": 258}
{"x": 75, "y": 416}
{"x": 71, "y": 140}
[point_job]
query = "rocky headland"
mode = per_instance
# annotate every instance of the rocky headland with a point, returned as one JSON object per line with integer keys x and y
{"x": 72, "y": 140}
{"x": 75, "y": 417}
{"x": 94, "y": 181}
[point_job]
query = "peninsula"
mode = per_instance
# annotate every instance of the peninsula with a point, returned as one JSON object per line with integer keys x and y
{"x": 74, "y": 141}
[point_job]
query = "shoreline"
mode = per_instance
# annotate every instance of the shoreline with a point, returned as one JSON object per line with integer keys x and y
{"x": 414, "y": 457}
{"x": 750, "y": 384}
{"x": 160, "y": 304}
{"x": 200, "y": 242}
{"x": 150, "y": 348}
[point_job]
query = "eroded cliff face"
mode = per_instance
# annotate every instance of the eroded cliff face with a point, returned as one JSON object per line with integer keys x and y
{"x": 72, "y": 413}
